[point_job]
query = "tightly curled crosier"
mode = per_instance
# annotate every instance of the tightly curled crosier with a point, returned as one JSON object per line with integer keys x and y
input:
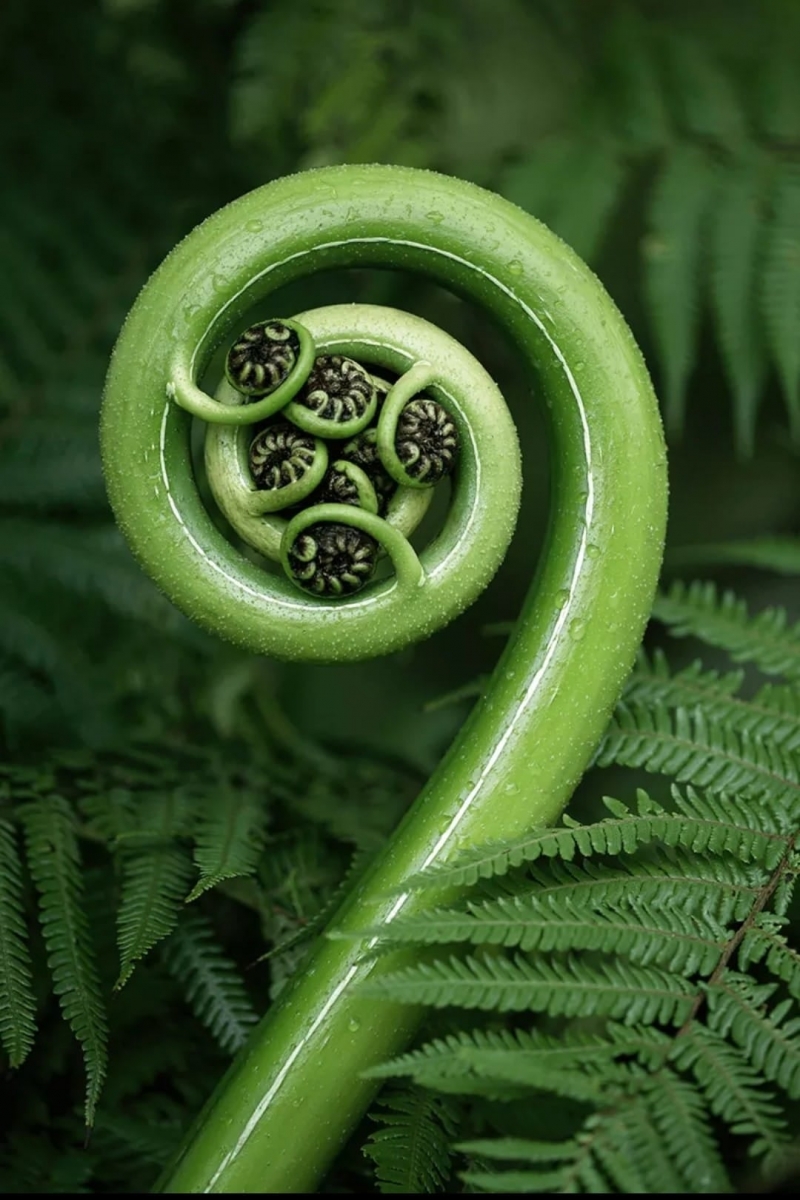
{"x": 333, "y": 560}
{"x": 262, "y": 357}
{"x": 338, "y": 389}
{"x": 280, "y": 454}
{"x": 426, "y": 440}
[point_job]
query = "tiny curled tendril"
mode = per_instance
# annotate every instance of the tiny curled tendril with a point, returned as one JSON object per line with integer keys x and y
{"x": 301, "y": 1085}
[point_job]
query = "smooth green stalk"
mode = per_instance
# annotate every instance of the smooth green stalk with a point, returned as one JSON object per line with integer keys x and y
{"x": 297, "y": 1091}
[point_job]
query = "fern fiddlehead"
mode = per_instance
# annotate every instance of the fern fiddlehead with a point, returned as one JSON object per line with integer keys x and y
{"x": 298, "y": 1088}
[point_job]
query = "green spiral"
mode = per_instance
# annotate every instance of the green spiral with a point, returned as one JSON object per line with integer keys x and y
{"x": 297, "y": 1090}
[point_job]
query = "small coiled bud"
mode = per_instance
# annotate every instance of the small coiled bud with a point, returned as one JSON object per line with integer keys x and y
{"x": 262, "y": 357}
{"x": 332, "y": 560}
{"x": 338, "y": 389}
{"x": 337, "y": 488}
{"x": 363, "y": 452}
{"x": 280, "y": 454}
{"x": 426, "y": 440}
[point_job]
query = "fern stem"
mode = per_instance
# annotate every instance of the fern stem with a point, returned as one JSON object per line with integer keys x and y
{"x": 297, "y": 1090}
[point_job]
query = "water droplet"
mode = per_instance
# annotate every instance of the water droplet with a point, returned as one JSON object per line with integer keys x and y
{"x": 254, "y": 226}
{"x": 219, "y": 283}
{"x": 561, "y": 597}
{"x": 515, "y": 267}
{"x": 577, "y": 629}
{"x": 435, "y": 217}
{"x": 511, "y": 789}
{"x": 353, "y": 1025}
{"x": 592, "y": 550}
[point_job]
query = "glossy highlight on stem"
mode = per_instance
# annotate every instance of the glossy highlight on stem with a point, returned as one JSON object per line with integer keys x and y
{"x": 297, "y": 1090}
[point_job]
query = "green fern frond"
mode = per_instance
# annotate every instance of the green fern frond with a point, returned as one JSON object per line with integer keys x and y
{"x": 584, "y": 209}
{"x": 54, "y": 862}
{"x": 703, "y": 96}
{"x": 635, "y": 81}
{"x": 771, "y": 1040}
{"x": 701, "y": 825}
{"x": 577, "y": 1064}
{"x": 680, "y": 1117}
{"x": 679, "y": 207}
{"x": 17, "y": 1002}
{"x": 229, "y": 837}
{"x": 544, "y": 923}
{"x": 695, "y": 748}
{"x": 736, "y": 251}
{"x": 773, "y": 714}
{"x": 780, "y": 286}
{"x": 557, "y": 1162}
{"x": 764, "y": 942}
{"x": 697, "y": 610}
{"x": 568, "y": 987}
{"x": 211, "y": 983}
{"x": 412, "y": 1151}
{"x": 733, "y": 1090}
{"x": 156, "y": 871}
{"x": 699, "y": 884}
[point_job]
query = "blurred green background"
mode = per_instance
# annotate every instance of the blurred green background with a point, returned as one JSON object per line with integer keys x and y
{"x": 661, "y": 139}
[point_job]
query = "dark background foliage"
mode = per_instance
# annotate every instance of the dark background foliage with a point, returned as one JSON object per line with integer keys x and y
{"x": 661, "y": 139}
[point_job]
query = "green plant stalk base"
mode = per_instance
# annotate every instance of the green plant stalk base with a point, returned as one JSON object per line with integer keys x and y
{"x": 296, "y": 1092}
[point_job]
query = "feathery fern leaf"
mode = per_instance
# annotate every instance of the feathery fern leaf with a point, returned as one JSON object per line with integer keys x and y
{"x": 411, "y": 1151}
{"x": 17, "y": 1003}
{"x": 678, "y": 210}
{"x": 701, "y": 825}
{"x": 771, "y": 1040}
{"x": 211, "y": 983}
{"x": 229, "y": 837}
{"x": 678, "y": 1114}
{"x": 773, "y": 714}
{"x": 155, "y": 880}
{"x": 697, "y": 610}
{"x": 54, "y": 862}
{"x": 763, "y": 942}
{"x": 567, "y": 987}
{"x": 545, "y": 923}
{"x": 780, "y": 286}
{"x": 554, "y": 1165}
{"x": 733, "y": 1091}
{"x": 703, "y": 751}
{"x": 584, "y": 208}
{"x": 699, "y": 884}
{"x": 575, "y": 1064}
{"x": 736, "y": 238}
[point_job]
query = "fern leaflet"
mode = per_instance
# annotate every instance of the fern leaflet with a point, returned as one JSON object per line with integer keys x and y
{"x": 412, "y": 1151}
{"x": 156, "y": 873}
{"x": 17, "y": 1003}
{"x": 229, "y": 838}
{"x": 211, "y": 983}
{"x": 697, "y": 610}
{"x": 54, "y": 861}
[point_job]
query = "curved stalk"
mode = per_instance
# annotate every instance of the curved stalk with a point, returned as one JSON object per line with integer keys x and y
{"x": 297, "y": 1091}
